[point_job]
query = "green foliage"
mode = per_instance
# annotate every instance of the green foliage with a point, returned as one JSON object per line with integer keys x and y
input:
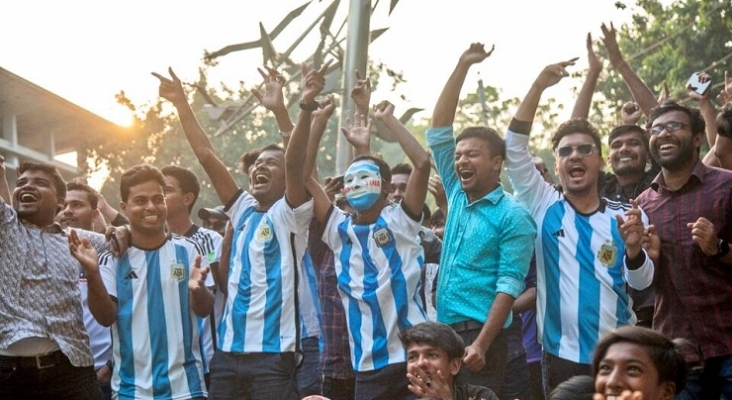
{"x": 669, "y": 43}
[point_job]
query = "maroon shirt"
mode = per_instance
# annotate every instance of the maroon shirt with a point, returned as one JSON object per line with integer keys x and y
{"x": 693, "y": 290}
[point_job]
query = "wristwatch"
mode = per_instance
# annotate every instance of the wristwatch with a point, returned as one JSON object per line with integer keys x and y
{"x": 723, "y": 249}
{"x": 285, "y": 135}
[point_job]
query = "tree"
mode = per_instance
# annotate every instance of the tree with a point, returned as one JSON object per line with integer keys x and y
{"x": 669, "y": 43}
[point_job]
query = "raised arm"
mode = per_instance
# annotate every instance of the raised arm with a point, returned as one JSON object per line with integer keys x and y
{"x": 4, "y": 187}
{"x": 706, "y": 108}
{"x": 549, "y": 76}
{"x": 223, "y": 182}
{"x": 320, "y": 119}
{"x": 312, "y": 83}
{"x": 273, "y": 100}
{"x": 417, "y": 184}
{"x": 358, "y": 134}
{"x": 584, "y": 99}
{"x": 444, "y": 112}
{"x": 361, "y": 94}
{"x": 640, "y": 91}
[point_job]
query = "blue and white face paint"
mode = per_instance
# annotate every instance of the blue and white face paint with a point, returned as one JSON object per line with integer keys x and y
{"x": 362, "y": 185}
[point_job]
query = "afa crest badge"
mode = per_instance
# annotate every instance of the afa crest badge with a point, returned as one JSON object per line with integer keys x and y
{"x": 177, "y": 272}
{"x": 608, "y": 253}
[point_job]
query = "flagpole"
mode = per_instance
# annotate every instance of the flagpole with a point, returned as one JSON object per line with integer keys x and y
{"x": 357, "y": 45}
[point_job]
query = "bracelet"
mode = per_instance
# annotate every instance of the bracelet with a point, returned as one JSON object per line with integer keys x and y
{"x": 723, "y": 249}
{"x": 285, "y": 135}
{"x": 309, "y": 106}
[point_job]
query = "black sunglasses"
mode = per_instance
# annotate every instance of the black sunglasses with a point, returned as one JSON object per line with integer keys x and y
{"x": 582, "y": 149}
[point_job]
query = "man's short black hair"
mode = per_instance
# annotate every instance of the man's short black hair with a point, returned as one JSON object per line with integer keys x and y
{"x": 577, "y": 125}
{"x": 724, "y": 122}
{"x": 58, "y": 181}
{"x": 496, "y": 144}
{"x": 91, "y": 194}
{"x": 696, "y": 122}
{"x": 437, "y": 335}
{"x": 187, "y": 180}
{"x": 139, "y": 174}
{"x": 401, "y": 169}
{"x": 247, "y": 160}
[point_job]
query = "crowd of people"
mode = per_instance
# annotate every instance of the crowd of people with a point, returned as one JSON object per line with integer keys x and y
{"x": 602, "y": 285}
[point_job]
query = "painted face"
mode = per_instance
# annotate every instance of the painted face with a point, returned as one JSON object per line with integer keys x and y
{"x": 362, "y": 185}
{"x": 627, "y": 366}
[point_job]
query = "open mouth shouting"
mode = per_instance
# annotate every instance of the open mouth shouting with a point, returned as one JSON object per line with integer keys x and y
{"x": 466, "y": 175}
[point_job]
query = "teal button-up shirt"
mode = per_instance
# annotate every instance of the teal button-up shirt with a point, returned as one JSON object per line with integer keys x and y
{"x": 487, "y": 246}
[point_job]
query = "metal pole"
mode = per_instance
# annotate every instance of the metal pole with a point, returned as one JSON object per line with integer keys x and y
{"x": 483, "y": 105}
{"x": 357, "y": 45}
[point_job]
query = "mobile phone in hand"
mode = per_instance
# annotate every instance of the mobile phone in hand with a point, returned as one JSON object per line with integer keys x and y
{"x": 694, "y": 84}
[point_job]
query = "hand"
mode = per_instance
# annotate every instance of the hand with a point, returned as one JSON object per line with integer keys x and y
{"x": 704, "y": 235}
{"x": 626, "y": 395}
{"x": 725, "y": 96}
{"x": 631, "y": 230}
{"x": 652, "y": 243}
{"x": 2, "y": 165}
{"x": 434, "y": 185}
{"x": 475, "y": 54}
{"x": 474, "y": 357}
{"x": 197, "y": 275}
{"x": 428, "y": 382}
{"x": 104, "y": 374}
{"x": 361, "y": 93}
{"x": 630, "y": 113}
{"x": 325, "y": 108}
{"x": 83, "y": 251}
{"x": 703, "y": 78}
{"x": 171, "y": 90}
{"x": 383, "y": 111}
{"x": 611, "y": 44}
{"x": 553, "y": 73}
{"x": 592, "y": 58}
{"x": 312, "y": 81}
{"x": 273, "y": 98}
{"x": 664, "y": 95}
{"x": 333, "y": 186}
{"x": 119, "y": 238}
{"x": 358, "y": 134}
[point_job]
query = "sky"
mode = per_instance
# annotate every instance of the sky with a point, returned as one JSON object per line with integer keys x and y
{"x": 87, "y": 51}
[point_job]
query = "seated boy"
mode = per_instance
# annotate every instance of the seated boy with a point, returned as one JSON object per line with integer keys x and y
{"x": 434, "y": 358}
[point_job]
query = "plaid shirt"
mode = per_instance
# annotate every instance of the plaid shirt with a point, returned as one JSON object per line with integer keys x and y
{"x": 40, "y": 295}
{"x": 693, "y": 290}
{"x": 335, "y": 357}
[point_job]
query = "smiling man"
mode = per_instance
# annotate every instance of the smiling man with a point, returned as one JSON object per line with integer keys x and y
{"x": 691, "y": 204}
{"x": 488, "y": 238}
{"x": 588, "y": 247}
{"x": 43, "y": 343}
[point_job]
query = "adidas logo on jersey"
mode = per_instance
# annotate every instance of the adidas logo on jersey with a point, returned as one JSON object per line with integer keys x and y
{"x": 131, "y": 275}
{"x": 559, "y": 233}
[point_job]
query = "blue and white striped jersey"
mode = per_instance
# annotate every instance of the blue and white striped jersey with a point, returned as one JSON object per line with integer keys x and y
{"x": 580, "y": 259}
{"x": 261, "y": 309}
{"x": 308, "y": 298}
{"x": 378, "y": 268}
{"x": 156, "y": 337}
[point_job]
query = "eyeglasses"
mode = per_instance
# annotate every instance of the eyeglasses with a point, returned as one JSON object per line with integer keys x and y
{"x": 670, "y": 127}
{"x": 582, "y": 149}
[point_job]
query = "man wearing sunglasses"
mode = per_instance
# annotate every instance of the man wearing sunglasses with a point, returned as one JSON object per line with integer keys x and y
{"x": 691, "y": 206}
{"x": 587, "y": 247}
